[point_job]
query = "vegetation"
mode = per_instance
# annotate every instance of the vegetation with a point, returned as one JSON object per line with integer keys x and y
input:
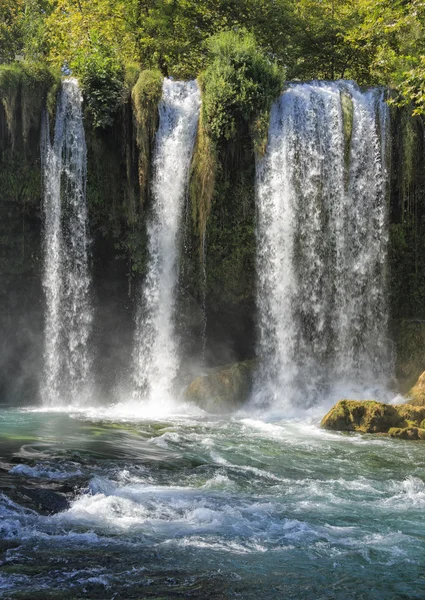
{"x": 239, "y": 84}
{"x": 372, "y": 41}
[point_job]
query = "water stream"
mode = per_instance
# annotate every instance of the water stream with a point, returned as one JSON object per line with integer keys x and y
{"x": 322, "y": 240}
{"x": 66, "y": 278}
{"x": 201, "y": 507}
{"x": 156, "y": 358}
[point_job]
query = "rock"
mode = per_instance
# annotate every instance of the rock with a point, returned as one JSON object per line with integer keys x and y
{"x": 407, "y": 433}
{"x": 416, "y": 395}
{"x": 43, "y": 501}
{"x": 224, "y": 390}
{"x": 368, "y": 416}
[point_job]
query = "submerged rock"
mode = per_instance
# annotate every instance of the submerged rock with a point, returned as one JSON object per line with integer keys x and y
{"x": 367, "y": 416}
{"x": 224, "y": 390}
{"x": 416, "y": 395}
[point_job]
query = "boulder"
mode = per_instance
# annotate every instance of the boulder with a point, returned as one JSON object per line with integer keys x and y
{"x": 368, "y": 416}
{"x": 416, "y": 395}
{"x": 223, "y": 390}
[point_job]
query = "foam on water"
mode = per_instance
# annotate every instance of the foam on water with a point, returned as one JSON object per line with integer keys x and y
{"x": 240, "y": 496}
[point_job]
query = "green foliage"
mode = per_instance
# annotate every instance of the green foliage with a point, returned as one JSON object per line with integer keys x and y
{"x": 239, "y": 85}
{"x": 392, "y": 35}
{"x": 323, "y": 52}
{"x": 11, "y": 34}
{"x": 102, "y": 80}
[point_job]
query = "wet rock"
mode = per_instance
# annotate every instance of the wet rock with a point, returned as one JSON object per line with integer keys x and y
{"x": 416, "y": 395}
{"x": 6, "y": 545}
{"x": 43, "y": 501}
{"x": 224, "y": 390}
{"x": 407, "y": 433}
{"x": 368, "y": 416}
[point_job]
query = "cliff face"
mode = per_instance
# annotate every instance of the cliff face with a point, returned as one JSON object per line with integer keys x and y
{"x": 217, "y": 276}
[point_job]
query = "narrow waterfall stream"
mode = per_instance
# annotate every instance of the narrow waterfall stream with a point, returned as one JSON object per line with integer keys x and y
{"x": 156, "y": 357}
{"x": 322, "y": 240}
{"x": 66, "y": 279}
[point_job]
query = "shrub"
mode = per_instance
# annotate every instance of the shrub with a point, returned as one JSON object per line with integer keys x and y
{"x": 102, "y": 80}
{"x": 239, "y": 85}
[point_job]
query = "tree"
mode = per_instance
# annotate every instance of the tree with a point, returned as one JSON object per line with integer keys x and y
{"x": 11, "y": 34}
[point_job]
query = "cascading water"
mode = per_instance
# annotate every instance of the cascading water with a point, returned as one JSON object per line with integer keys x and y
{"x": 66, "y": 279}
{"x": 322, "y": 240}
{"x": 156, "y": 353}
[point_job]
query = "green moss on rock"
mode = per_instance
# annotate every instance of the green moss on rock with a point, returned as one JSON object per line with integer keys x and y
{"x": 224, "y": 390}
{"x": 416, "y": 395}
{"x": 24, "y": 89}
{"x": 407, "y": 433}
{"x": 347, "y": 120}
{"x": 369, "y": 416}
{"x": 146, "y": 95}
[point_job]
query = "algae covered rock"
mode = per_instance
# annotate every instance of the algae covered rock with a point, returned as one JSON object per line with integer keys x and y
{"x": 416, "y": 395}
{"x": 223, "y": 390}
{"x": 407, "y": 433}
{"x": 368, "y": 416}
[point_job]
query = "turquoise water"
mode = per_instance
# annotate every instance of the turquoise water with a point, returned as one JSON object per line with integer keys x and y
{"x": 206, "y": 508}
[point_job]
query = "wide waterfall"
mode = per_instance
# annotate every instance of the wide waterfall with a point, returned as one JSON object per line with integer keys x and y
{"x": 322, "y": 240}
{"x": 156, "y": 358}
{"x": 66, "y": 279}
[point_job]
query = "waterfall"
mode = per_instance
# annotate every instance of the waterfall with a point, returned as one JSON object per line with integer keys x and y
{"x": 322, "y": 241}
{"x": 156, "y": 359}
{"x": 66, "y": 279}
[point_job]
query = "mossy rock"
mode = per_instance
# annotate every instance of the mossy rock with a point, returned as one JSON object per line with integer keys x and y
{"x": 347, "y": 119}
{"x": 223, "y": 390}
{"x": 416, "y": 395}
{"x": 407, "y": 433}
{"x": 369, "y": 416}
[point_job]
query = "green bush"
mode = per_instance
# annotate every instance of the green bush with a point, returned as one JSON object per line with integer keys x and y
{"x": 239, "y": 85}
{"x": 102, "y": 80}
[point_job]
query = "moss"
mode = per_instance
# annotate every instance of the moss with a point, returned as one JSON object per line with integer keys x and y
{"x": 131, "y": 75}
{"x": 202, "y": 182}
{"x": 347, "y": 121}
{"x": 25, "y": 87}
{"x": 146, "y": 95}
{"x": 416, "y": 395}
{"x": 372, "y": 417}
{"x": 10, "y": 82}
{"x": 407, "y": 433}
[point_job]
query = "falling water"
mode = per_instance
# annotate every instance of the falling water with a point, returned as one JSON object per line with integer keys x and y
{"x": 322, "y": 239}
{"x": 66, "y": 278}
{"x": 155, "y": 356}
